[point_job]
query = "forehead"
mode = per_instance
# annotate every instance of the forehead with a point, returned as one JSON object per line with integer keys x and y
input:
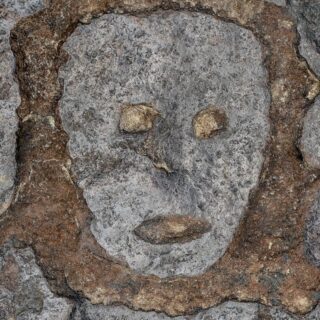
{"x": 174, "y": 60}
{"x": 179, "y": 63}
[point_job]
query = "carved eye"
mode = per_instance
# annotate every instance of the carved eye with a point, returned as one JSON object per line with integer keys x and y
{"x": 137, "y": 118}
{"x": 208, "y": 122}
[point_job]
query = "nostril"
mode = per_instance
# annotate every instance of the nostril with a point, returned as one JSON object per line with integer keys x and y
{"x": 172, "y": 229}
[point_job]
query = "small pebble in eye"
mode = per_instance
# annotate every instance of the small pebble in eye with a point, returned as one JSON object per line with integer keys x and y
{"x": 208, "y": 122}
{"x": 137, "y": 118}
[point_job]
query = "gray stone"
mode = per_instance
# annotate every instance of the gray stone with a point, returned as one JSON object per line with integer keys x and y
{"x": 10, "y": 13}
{"x": 23, "y": 7}
{"x": 307, "y": 13}
{"x": 24, "y": 292}
{"x": 226, "y": 311}
{"x": 279, "y": 314}
{"x": 281, "y": 3}
{"x": 180, "y": 63}
{"x": 310, "y": 139}
{"x": 308, "y": 19}
{"x": 312, "y": 233}
{"x": 9, "y": 101}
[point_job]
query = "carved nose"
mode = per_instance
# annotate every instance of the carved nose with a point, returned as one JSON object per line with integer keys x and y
{"x": 172, "y": 229}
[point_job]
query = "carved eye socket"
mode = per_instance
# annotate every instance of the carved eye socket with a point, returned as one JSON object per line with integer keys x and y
{"x": 137, "y": 118}
{"x": 209, "y": 122}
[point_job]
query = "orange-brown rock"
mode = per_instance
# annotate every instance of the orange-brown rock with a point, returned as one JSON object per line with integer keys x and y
{"x": 265, "y": 261}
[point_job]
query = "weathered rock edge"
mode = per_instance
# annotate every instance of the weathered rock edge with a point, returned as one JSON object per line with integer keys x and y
{"x": 265, "y": 262}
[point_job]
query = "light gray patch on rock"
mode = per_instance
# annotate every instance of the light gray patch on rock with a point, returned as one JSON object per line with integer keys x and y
{"x": 307, "y": 13}
{"x": 312, "y": 233}
{"x": 180, "y": 63}
{"x": 24, "y": 292}
{"x": 226, "y": 311}
{"x": 308, "y": 18}
{"x": 9, "y": 101}
{"x": 10, "y": 13}
{"x": 278, "y": 313}
{"x": 310, "y": 139}
{"x": 281, "y": 3}
{"x": 23, "y": 7}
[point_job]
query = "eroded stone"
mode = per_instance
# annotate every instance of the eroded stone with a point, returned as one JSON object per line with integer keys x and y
{"x": 278, "y": 313}
{"x": 178, "y": 62}
{"x": 309, "y": 145}
{"x": 23, "y": 7}
{"x": 10, "y": 12}
{"x": 307, "y": 13}
{"x": 24, "y": 292}
{"x": 209, "y": 122}
{"x": 281, "y": 3}
{"x": 312, "y": 234}
{"x": 172, "y": 229}
{"x": 226, "y": 311}
{"x": 182, "y": 295}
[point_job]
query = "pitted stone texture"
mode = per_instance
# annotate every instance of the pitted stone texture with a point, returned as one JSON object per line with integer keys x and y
{"x": 279, "y": 314}
{"x": 312, "y": 234}
{"x": 226, "y": 311}
{"x": 10, "y": 13}
{"x": 24, "y": 292}
{"x": 307, "y": 13}
{"x": 308, "y": 17}
{"x": 9, "y": 101}
{"x": 281, "y": 3}
{"x": 23, "y": 7}
{"x": 179, "y": 63}
{"x": 310, "y": 140}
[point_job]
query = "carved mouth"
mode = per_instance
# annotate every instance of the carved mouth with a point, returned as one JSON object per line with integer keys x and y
{"x": 172, "y": 229}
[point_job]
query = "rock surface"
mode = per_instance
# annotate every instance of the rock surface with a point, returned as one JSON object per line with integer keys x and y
{"x": 281, "y": 3}
{"x": 172, "y": 229}
{"x": 179, "y": 63}
{"x": 24, "y": 292}
{"x": 309, "y": 144}
{"x": 279, "y": 314}
{"x": 10, "y": 12}
{"x": 226, "y": 311}
{"x": 312, "y": 235}
{"x": 307, "y": 13}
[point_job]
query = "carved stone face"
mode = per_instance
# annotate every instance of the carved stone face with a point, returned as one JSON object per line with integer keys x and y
{"x": 170, "y": 160}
